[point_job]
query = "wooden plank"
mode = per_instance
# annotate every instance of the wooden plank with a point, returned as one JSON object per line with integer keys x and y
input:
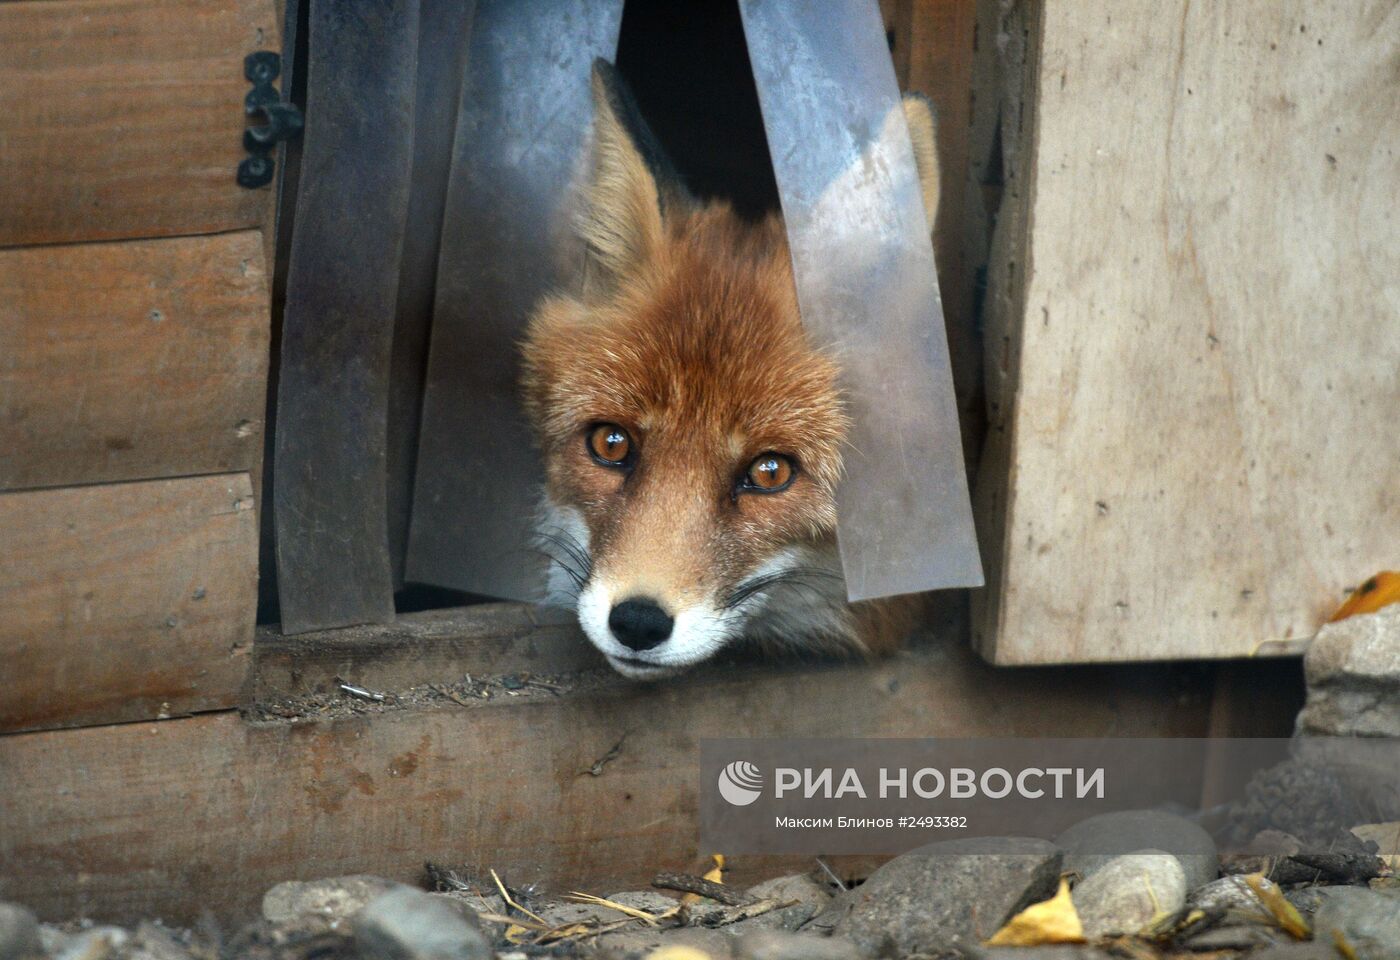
{"x": 1191, "y": 328}
{"x": 426, "y": 647}
{"x": 124, "y": 118}
{"x": 125, "y": 601}
{"x": 176, "y": 818}
{"x": 126, "y": 361}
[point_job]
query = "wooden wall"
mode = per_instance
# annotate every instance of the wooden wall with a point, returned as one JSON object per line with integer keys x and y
{"x": 201, "y": 815}
{"x": 1191, "y": 336}
{"x": 133, "y": 358}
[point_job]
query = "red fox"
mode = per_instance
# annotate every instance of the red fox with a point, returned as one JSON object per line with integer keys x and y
{"x": 692, "y": 435}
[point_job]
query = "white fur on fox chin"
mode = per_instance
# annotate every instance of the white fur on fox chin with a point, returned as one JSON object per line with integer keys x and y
{"x": 812, "y": 617}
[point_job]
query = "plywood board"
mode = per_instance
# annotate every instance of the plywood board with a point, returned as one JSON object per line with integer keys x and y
{"x": 135, "y": 360}
{"x": 125, "y": 601}
{"x": 124, "y": 118}
{"x": 1191, "y": 331}
{"x": 176, "y": 818}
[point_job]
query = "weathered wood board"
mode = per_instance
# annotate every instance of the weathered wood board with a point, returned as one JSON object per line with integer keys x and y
{"x": 124, "y": 118}
{"x": 134, "y": 360}
{"x": 125, "y": 601}
{"x": 179, "y": 817}
{"x": 426, "y": 647}
{"x": 1192, "y": 354}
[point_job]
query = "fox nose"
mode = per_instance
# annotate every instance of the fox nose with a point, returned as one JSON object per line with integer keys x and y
{"x": 640, "y": 624}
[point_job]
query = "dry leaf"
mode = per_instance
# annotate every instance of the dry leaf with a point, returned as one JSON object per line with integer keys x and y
{"x": 678, "y": 952}
{"x": 1050, "y": 921}
{"x": 1379, "y": 591}
{"x": 648, "y": 918}
{"x": 1343, "y": 945}
{"x": 1288, "y": 918}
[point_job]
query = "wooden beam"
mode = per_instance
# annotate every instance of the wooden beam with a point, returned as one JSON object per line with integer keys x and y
{"x": 124, "y": 118}
{"x": 176, "y": 818}
{"x": 426, "y": 647}
{"x": 1190, "y": 328}
{"x": 125, "y": 601}
{"x": 130, "y": 361}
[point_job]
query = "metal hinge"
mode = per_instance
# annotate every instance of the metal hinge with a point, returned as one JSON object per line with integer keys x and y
{"x": 284, "y": 120}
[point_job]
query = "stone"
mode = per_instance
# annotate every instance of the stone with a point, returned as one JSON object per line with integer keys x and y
{"x": 798, "y": 886}
{"x": 1307, "y": 900}
{"x": 781, "y": 945}
{"x": 408, "y": 924}
{"x": 332, "y": 901}
{"x": 19, "y": 933}
{"x": 1232, "y": 895}
{"x": 1125, "y": 894}
{"x": 944, "y": 897}
{"x": 151, "y": 941}
{"x": 649, "y": 900}
{"x": 1055, "y": 951}
{"x": 644, "y": 941}
{"x": 811, "y": 898}
{"x": 96, "y": 943}
{"x": 1308, "y": 950}
{"x": 1237, "y": 938}
{"x": 1091, "y": 843}
{"x": 1370, "y": 921}
{"x": 1353, "y": 675}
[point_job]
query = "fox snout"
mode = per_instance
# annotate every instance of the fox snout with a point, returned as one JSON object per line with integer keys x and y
{"x": 640, "y": 624}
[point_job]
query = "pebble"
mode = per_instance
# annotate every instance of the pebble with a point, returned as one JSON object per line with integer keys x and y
{"x": 1369, "y": 920}
{"x": 811, "y": 898}
{"x": 1237, "y": 938}
{"x": 19, "y": 933}
{"x": 97, "y": 943}
{"x": 780, "y": 945}
{"x": 1308, "y": 950}
{"x": 1353, "y": 674}
{"x": 1232, "y": 895}
{"x": 944, "y": 897}
{"x": 408, "y": 924}
{"x": 332, "y": 901}
{"x": 1091, "y": 843}
{"x": 1057, "y": 951}
{"x": 1126, "y": 893}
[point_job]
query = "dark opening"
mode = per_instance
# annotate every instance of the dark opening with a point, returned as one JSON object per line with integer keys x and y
{"x": 688, "y": 66}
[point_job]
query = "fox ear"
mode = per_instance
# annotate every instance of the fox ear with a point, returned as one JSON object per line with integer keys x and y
{"x": 923, "y": 132}
{"x": 620, "y": 218}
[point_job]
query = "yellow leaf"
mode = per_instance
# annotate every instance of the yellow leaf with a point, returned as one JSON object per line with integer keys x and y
{"x": 678, "y": 952}
{"x": 1343, "y": 945}
{"x": 1379, "y": 591}
{"x": 1050, "y": 921}
{"x": 715, "y": 875}
{"x": 1284, "y": 913}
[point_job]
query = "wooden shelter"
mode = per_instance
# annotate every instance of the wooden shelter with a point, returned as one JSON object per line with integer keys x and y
{"x": 1168, "y": 253}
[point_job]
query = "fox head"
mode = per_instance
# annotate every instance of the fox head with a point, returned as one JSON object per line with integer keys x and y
{"x": 691, "y": 433}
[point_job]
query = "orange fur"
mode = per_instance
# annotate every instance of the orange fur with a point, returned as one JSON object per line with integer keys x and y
{"x": 687, "y": 335}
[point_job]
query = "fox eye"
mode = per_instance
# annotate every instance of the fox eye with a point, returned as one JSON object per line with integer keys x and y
{"x": 610, "y": 445}
{"x": 769, "y": 473}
